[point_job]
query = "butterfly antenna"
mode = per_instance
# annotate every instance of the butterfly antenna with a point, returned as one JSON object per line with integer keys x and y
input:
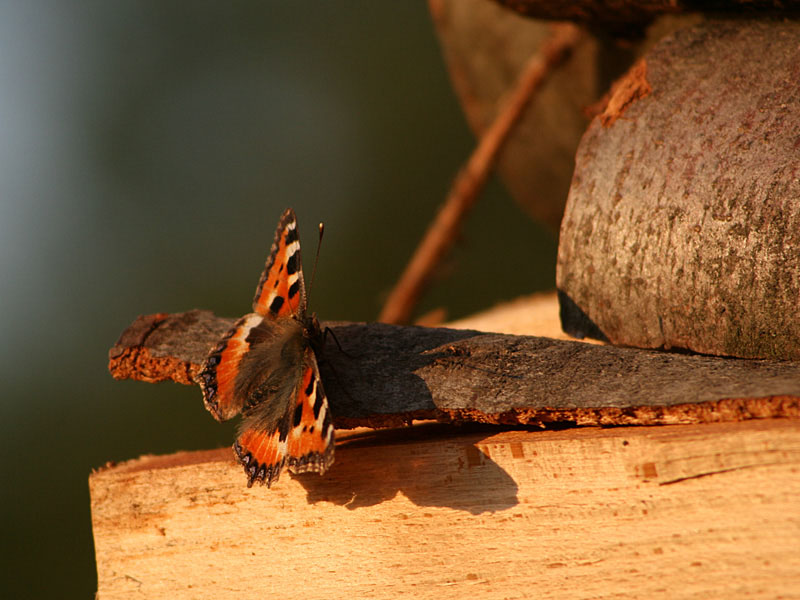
{"x": 316, "y": 259}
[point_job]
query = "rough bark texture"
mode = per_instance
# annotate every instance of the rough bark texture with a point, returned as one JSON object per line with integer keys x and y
{"x": 163, "y": 347}
{"x": 682, "y": 227}
{"x": 685, "y": 512}
{"x": 619, "y": 13}
{"x": 391, "y": 375}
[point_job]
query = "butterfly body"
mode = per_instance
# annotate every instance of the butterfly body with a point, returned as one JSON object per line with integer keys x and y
{"x": 265, "y": 368}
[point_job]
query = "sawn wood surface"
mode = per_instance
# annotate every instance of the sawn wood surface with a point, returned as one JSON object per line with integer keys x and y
{"x": 682, "y": 512}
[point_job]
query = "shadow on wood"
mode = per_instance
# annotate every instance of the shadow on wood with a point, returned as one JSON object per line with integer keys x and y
{"x": 680, "y": 512}
{"x": 412, "y": 460}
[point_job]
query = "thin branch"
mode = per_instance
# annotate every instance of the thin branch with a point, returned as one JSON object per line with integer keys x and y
{"x": 470, "y": 181}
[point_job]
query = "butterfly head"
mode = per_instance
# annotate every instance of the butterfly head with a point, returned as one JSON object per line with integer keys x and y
{"x": 311, "y": 327}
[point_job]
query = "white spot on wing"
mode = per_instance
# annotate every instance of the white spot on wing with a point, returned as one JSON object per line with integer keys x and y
{"x": 250, "y": 322}
{"x": 282, "y": 446}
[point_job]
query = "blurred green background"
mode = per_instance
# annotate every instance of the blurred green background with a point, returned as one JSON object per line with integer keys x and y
{"x": 148, "y": 149}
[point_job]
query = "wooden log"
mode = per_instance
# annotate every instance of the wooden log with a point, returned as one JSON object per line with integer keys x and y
{"x": 682, "y": 226}
{"x": 386, "y": 376}
{"x": 698, "y": 511}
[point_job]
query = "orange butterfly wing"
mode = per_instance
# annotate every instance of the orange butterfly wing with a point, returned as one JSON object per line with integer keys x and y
{"x": 281, "y": 291}
{"x": 280, "y": 294}
{"x": 303, "y": 440}
{"x": 287, "y": 423}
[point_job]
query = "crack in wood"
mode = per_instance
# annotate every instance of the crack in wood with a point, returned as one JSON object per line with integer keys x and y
{"x": 720, "y": 471}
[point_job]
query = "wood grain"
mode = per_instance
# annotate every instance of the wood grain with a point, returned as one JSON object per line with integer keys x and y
{"x": 701, "y": 511}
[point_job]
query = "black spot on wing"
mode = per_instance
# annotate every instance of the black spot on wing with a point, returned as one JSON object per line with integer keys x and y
{"x": 276, "y": 304}
{"x": 294, "y": 288}
{"x": 318, "y": 406}
{"x": 298, "y": 414}
{"x": 291, "y": 235}
{"x": 283, "y": 429}
{"x": 291, "y": 264}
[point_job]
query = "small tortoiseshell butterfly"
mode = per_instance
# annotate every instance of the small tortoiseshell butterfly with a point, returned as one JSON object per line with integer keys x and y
{"x": 265, "y": 368}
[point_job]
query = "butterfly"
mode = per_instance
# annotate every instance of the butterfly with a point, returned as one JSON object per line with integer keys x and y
{"x": 266, "y": 368}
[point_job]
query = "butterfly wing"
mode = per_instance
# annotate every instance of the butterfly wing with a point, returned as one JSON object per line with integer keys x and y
{"x": 280, "y": 294}
{"x": 311, "y": 438}
{"x": 281, "y": 291}
{"x": 221, "y": 370}
{"x": 265, "y": 367}
{"x": 301, "y": 440}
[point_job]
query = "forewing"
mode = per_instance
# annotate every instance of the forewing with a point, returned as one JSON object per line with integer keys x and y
{"x": 302, "y": 440}
{"x": 218, "y": 376}
{"x": 281, "y": 290}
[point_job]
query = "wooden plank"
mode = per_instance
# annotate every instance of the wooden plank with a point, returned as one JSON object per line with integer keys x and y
{"x": 388, "y": 375}
{"x": 698, "y": 511}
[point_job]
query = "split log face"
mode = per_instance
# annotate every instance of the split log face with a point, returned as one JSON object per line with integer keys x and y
{"x": 682, "y": 226}
{"x": 675, "y": 513}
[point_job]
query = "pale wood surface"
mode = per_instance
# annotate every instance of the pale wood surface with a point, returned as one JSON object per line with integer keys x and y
{"x": 688, "y": 511}
{"x": 536, "y": 314}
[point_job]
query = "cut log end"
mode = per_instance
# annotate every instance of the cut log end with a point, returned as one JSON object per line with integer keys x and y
{"x": 683, "y": 222}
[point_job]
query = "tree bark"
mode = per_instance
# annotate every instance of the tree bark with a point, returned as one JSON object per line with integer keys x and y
{"x": 617, "y": 14}
{"x": 682, "y": 226}
{"x": 385, "y": 376}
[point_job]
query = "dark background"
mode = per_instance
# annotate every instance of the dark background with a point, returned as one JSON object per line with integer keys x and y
{"x": 148, "y": 149}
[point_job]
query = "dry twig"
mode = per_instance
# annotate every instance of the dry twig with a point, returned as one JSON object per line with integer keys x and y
{"x": 472, "y": 177}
